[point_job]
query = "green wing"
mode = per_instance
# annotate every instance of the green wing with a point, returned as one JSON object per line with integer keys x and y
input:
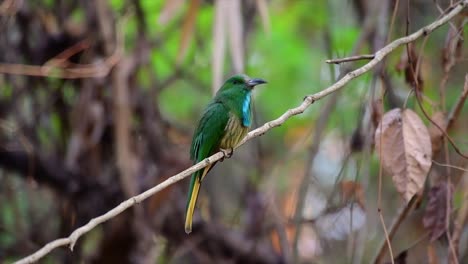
{"x": 206, "y": 140}
{"x": 209, "y": 132}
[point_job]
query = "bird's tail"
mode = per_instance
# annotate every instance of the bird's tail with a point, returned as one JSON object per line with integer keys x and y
{"x": 194, "y": 188}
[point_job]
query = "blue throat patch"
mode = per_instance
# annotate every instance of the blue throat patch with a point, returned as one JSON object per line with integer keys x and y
{"x": 246, "y": 120}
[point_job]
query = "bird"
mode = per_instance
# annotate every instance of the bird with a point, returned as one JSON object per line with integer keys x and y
{"x": 223, "y": 124}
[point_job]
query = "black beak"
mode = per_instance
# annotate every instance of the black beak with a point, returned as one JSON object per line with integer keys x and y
{"x": 255, "y": 81}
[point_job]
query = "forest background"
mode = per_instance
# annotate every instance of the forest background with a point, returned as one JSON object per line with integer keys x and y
{"x": 99, "y": 100}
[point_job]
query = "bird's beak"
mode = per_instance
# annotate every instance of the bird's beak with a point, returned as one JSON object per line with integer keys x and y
{"x": 255, "y": 81}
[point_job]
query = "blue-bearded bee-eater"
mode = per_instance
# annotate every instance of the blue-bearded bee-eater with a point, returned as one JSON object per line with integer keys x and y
{"x": 224, "y": 123}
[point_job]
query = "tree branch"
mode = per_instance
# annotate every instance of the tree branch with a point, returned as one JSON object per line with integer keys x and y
{"x": 308, "y": 100}
{"x": 351, "y": 58}
{"x": 93, "y": 70}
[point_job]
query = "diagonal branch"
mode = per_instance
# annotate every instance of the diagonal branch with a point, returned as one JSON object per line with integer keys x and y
{"x": 93, "y": 70}
{"x": 308, "y": 100}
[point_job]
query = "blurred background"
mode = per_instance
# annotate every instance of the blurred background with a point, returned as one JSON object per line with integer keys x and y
{"x": 99, "y": 100}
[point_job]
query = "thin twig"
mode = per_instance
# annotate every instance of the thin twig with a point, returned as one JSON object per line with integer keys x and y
{"x": 316, "y": 140}
{"x": 392, "y": 23}
{"x": 59, "y": 67}
{"x": 387, "y": 237}
{"x": 62, "y": 58}
{"x": 351, "y": 58}
{"x": 450, "y": 166}
{"x": 383, "y": 19}
{"x": 458, "y": 105}
{"x": 95, "y": 70}
{"x": 313, "y": 149}
{"x": 401, "y": 215}
{"x": 441, "y": 11}
{"x": 407, "y": 208}
{"x": 379, "y": 209}
{"x": 308, "y": 100}
{"x": 444, "y": 132}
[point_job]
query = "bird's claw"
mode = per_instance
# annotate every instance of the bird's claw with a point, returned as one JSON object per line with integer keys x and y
{"x": 227, "y": 153}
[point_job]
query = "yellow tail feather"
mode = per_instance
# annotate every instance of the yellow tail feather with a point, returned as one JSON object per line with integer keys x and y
{"x": 191, "y": 207}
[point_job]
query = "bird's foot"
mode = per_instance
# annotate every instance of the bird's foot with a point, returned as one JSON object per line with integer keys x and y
{"x": 227, "y": 153}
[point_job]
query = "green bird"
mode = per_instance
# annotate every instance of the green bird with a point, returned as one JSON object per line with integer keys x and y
{"x": 224, "y": 123}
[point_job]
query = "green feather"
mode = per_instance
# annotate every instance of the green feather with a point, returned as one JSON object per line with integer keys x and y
{"x": 209, "y": 132}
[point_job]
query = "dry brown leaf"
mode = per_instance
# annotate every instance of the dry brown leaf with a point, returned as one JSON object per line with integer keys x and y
{"x": 402, "y": 140}
{"x": 436, "y": 135}
{"x": 351, "y": 190}
{"x": 408, "y": 65}
{"x": 376, "y": 112}
{"x": 432, "y": 254}
{"x": 188, "y": 29}
{"x": 275, "y": 238}
{"x": 437, "y": 208}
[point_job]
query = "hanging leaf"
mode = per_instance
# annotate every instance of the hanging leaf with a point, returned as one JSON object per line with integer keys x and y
{"x": 432, "y": 257}
{"x": 437, "y": 208}
{"x": 376, "y": 112}
{"x": 408, "y": 64}
{"x": 404, "y": 144}
{"x": 352, "y": 191}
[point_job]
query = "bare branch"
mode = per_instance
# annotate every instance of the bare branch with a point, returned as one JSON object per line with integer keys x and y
{"x": 59, "y": 67}
{"x": 351, "y": 58}
{"x": 458, "y": 105}
{"x": 308, "y": 100}
{"x": 94, "y": 70}
{"x": 401, "y": 215}
{"x": 450, "y": 166}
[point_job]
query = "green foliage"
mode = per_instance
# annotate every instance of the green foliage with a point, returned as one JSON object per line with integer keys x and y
{"x": 6, "y": 91}
{"x": 44, "y": 137}
{"x": 296, "y": 15}
{"x": 8, "y": 221}
{"x": 344, "y": 38}
{"x": 291, "y": 57}
{"x": 152, "y": 10}
{"x": 91, "y": 242}
{"x": 69, "y": 93}
{"x": 56, "y": 125}
{"x": 78, "y": 15}
{"x": 177, "y": 102}
{"x": 117, "y": 4}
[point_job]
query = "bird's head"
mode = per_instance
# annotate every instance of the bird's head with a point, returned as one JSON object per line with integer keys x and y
{"x": 241, "y": 81}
